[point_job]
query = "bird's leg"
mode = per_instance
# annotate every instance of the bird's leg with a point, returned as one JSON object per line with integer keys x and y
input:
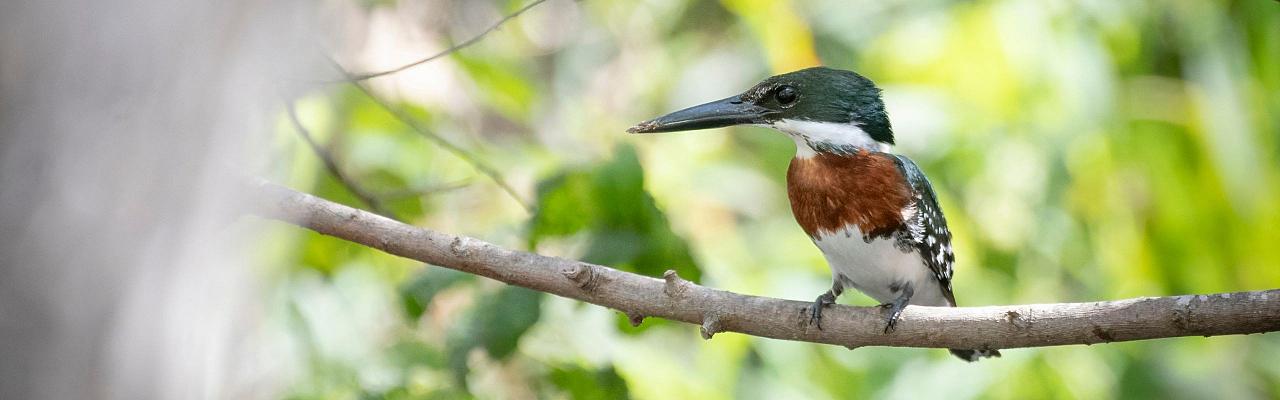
{"x": 826, "y": 299}
{"x": 895, "y": 307}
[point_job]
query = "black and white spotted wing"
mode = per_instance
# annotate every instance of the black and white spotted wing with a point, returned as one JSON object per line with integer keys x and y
{"x": 927, "y": 229}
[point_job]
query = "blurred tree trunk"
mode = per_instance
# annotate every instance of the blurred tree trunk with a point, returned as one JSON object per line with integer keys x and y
{"x": 123, "y": 124}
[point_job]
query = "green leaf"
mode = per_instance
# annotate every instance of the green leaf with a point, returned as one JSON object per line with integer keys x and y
{"x": 501, "y": 84}
{"x": 503, "y": 317}
{"x": 583, "y": 384}
{"x": 626, "y": 228}
{"x": 383, "y": 180}
{"x": 325, "y": 254}
{"x": 565, "y": 206}
{"x": 416, "y": 295}
{"x": 495, "y": 324}
{"x": 363, "y": 115}
{"x": 403, "y": 393}
{"x": 457, "y": 348}
{"x": 409, "y": 353}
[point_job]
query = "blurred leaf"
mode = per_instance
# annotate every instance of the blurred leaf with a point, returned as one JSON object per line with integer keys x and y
{"x": 496, "y": 324}
{"x": 769, "y": 148}
{"x": 563, "y": 206}
{"x": 626, "y": 228}
{"x": 403, "y": 393}
{"x": 331, "y": 189}
{"x": 503, "y": 317}
{"x": 326, "y": 254}
{"x": 584, "y": 384}
{"x": 781, "y": 30}
{"x": 457, "y": 350}
{"x": 500, "y": 84}
{"x": 381, "y": 180}
{"x": 416, "y": 295}
{"x": 406, "y": 354}
{"x": 365, "y": 116}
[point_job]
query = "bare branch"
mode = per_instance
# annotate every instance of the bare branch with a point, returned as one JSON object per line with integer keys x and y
{"x": 332, "y": 165}
{"x": 449, "y": 50}
{"x": 714, "y": 311}
{"x": 458, "y": 151}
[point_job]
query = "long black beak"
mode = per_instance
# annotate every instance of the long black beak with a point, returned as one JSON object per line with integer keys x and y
{"x": 720, "y": 113}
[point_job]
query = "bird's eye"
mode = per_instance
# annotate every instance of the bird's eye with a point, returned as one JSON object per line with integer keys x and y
{"x": 786, "y": 95}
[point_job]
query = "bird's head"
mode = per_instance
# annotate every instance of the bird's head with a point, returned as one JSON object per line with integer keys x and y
{"x": 823, "y": 109}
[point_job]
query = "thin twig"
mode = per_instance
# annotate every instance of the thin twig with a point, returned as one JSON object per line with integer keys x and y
{"x": 451, "y": 49}
{"x": 458, "y": 151}
{"x": 424, "y": 191}
{"x": 993, "y": 327}
{"x": 334, "y": 169}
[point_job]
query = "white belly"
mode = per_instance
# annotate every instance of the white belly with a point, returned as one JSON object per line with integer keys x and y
{"x": 878, "y": 267}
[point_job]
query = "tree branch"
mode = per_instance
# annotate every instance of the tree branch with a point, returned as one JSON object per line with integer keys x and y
{"x": 994, "y": 327}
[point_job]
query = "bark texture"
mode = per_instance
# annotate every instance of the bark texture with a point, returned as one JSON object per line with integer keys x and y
{"x": 715, "y": 311}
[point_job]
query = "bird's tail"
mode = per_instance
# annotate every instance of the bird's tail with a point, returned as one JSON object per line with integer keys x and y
{"x": 967, "y": 355}
{"x": 975, "y": 355}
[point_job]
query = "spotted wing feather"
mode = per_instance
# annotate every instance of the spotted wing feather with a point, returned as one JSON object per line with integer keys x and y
{"x": 926, "y": 227}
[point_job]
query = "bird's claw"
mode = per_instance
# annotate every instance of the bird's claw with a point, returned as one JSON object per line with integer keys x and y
{"x": 895, "y": 308}
{"x": 815, "y": 314}
{"x": 891, "y": 322}
{"x": 815, "y": 311}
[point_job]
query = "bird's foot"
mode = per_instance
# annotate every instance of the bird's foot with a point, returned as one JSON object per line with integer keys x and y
{"x": 815, "y": 311}
{"x": 896, "y": 306}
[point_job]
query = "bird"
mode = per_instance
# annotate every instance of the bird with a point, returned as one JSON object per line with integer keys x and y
{"x": 871, "y": 212}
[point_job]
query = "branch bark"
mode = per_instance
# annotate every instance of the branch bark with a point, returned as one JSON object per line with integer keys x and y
{"x": 715, "y": 311}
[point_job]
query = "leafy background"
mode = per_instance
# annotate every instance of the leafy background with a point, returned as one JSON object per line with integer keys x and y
{"x": 1082, "y": 150}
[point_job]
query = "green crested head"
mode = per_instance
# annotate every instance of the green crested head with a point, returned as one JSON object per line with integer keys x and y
{"x": 823, "y": 108}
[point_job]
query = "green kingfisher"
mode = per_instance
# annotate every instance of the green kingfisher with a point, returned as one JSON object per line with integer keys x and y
{"x": 871, "y": 212}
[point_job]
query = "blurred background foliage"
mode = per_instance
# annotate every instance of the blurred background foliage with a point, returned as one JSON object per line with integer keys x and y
{"x": 1082, "y": 150}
